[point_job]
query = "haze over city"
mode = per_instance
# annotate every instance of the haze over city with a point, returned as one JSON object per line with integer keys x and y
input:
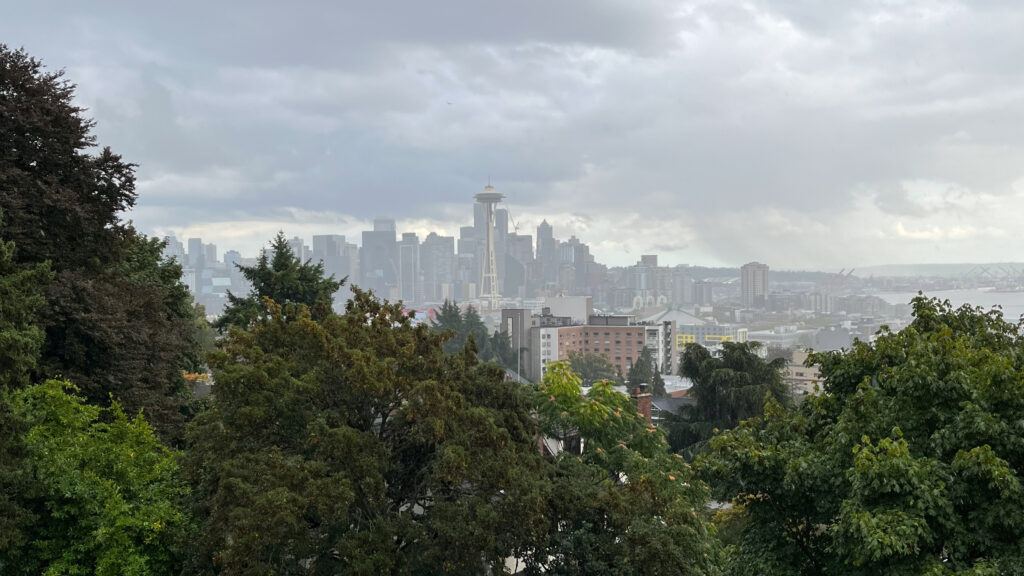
{"x": 710, "y": 133}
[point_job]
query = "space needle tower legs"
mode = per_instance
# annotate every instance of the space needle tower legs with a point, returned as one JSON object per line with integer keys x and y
{"x": 489, "y": 276}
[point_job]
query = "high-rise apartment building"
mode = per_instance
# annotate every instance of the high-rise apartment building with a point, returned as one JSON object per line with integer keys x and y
{"x": 754, "y": 284}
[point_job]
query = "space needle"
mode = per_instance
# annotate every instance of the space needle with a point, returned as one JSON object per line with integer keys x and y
{"x": 489, "y": 274}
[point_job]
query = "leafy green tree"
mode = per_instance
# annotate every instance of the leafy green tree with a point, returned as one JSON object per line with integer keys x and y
{"x": 592, "y": 368}
{"x": 21, "y": 338}
{"x": 282, "y": 277}
{"x": 117, "y": 318}
{"x": 93, "y": 491}
{"x": 355, "y": 445}
{"x": 205, "y": 337}
{"x": 727, "y": 388}
{"x": 909, "y": 463}
{"x": 625, "y": 505}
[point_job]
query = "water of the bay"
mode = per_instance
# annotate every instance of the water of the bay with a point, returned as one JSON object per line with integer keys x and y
{"x": 1012, "y": 302}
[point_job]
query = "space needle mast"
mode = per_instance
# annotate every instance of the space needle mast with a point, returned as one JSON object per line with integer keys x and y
{"x": 489, "y": 275}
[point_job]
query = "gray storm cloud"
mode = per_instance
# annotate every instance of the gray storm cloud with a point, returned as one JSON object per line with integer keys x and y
{"x": 803, "y": 134}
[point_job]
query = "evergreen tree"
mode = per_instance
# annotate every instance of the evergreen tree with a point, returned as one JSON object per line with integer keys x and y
{"x": 283, "y": 278}
{"x": 355, "y": 445}
{"x": 658, "y": 388}
{"x": 642, "y": 371}
{"x": 448, "y": 320}
{"x": 461, "y": 327}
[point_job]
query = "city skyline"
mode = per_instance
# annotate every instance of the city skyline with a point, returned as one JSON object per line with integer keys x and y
{"x": 828, "y": 138}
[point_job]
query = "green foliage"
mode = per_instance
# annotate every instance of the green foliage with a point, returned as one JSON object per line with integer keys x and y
{"x": 117, "y": 318}
{"x": 355, "y": 445}
{"x": 592, "y": 368}
{"x": 91, "y": 492}
{"x": 643, "y": 371}
{"x": 205, "y": 338}
{"x": 727, "y": 388}
{"x": 462, "y": 327}
{"x": 282, "y": 277}
{"x": 21, "y": 338}
{"x": 625, "y": 505}
{"x": 909, "y": 464}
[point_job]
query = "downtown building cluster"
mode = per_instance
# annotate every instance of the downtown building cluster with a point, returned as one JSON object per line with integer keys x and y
{"x": 553, "y": 298}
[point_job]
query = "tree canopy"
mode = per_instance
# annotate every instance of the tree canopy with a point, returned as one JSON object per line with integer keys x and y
{"x": 283, "y": 277}
{"x": 592, "y": 368}
{"x": 728, "y": 387}
{"x": 645, "y": 371}
{"x": 461, "y": 327}
{"x": 117, "y": 320}
{"x": 21, "y": 337}
{"x": 623, "y": 504}
{"x": 370, "y": 450}
{"x": 910, "y": 463}
{"x": 90, "y": 492}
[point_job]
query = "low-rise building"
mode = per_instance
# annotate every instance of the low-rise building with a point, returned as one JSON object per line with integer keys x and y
{"x": 803, "y": 379}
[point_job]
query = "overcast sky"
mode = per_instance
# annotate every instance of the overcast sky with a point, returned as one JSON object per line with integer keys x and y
{"x": 800, "y": 133}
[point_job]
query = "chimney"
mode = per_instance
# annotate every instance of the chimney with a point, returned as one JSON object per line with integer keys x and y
{"x": 642, "y": 400}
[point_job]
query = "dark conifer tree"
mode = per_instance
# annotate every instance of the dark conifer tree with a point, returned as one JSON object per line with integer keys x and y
{"x": 283, "y": 278}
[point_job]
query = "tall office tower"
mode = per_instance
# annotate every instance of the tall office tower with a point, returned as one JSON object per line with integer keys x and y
{"x": 327, "y": 250}
{"x": 210, "y": 254}
{"x": 518, "y": 265}
{"x": 409, "y": 268}
{"x": 378, "y": 258}
{"x": 547, "y": 252}
{"x": 437, "y": 265}
{"x": 489, "y": 289}
{"x": 173, "y": 248}
{"x": 501, "y": 243}
{"x": 467, "y": 269}
{"x": 384, "y": 225}
{"x": 754, "y": 284}
{"x": 300, "y": 249}
{"x": 232, "y": 257}
{"x": 350, "y": 260}
{"x": 195, "y": 252}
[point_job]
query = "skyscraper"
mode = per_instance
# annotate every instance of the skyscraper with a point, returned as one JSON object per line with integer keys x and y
{"x": 437, "y": 264}
{"x": 754, "y": 284}
{"x": 195, "y": 252}
{"x": 378, "y": 258}
{"x": 547, "y": 252}
{"x": 409, "y": 268}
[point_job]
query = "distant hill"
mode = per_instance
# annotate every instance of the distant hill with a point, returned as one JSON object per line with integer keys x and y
{"x": 941, "y": 270}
